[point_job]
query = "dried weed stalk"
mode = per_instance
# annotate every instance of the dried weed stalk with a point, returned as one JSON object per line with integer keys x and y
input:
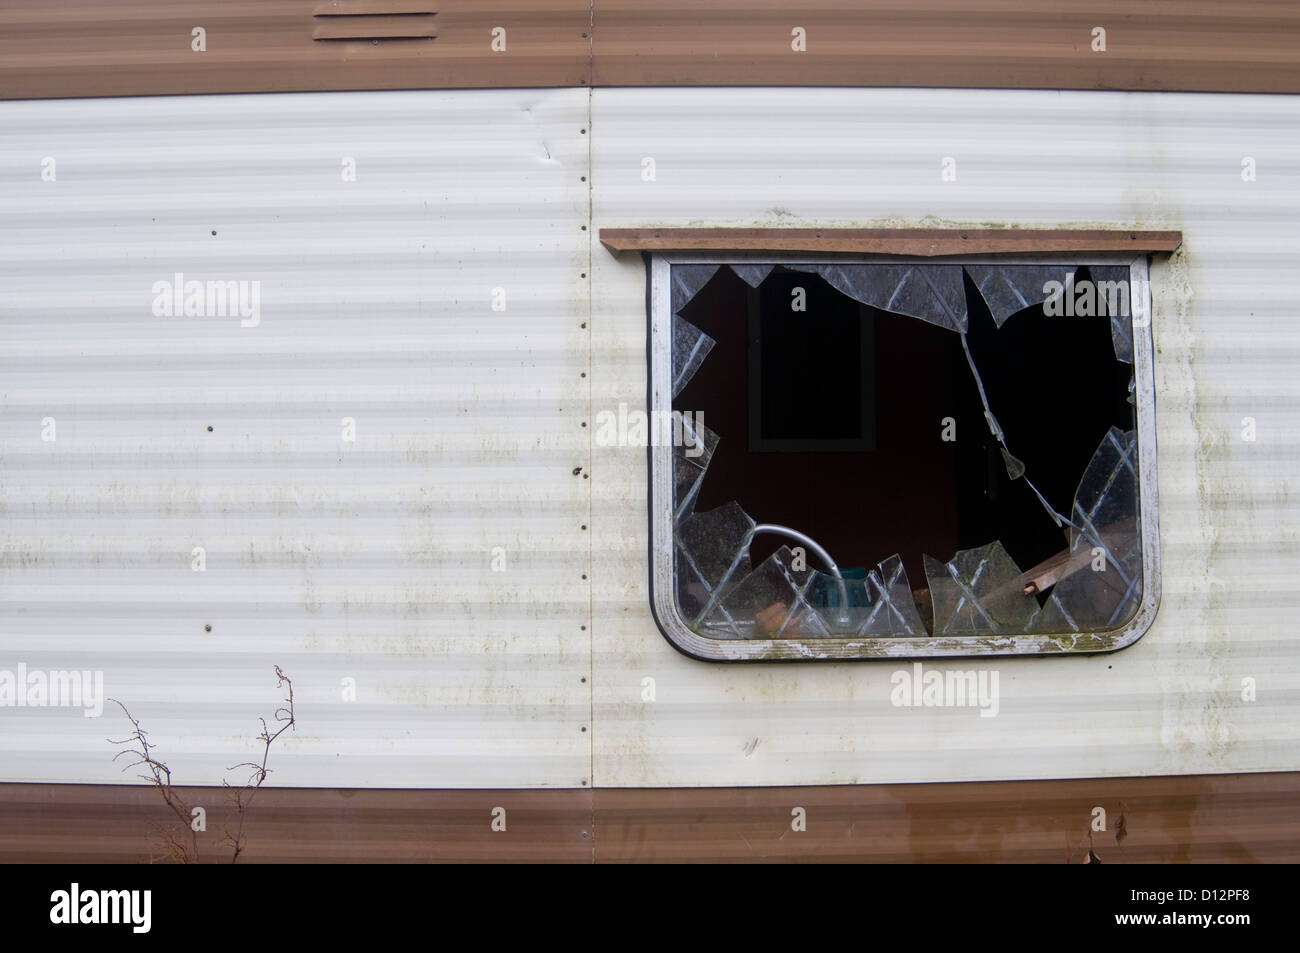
{"x": 182, "y": 846}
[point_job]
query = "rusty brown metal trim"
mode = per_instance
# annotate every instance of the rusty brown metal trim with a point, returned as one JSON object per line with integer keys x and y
{"x": 1195, "y": 818}
{"x": 1206, "y": 818}
{"x": 91, "y": 823}
{"x": 924, "y": 242}
{"x": 87, "y": 48}
{"x": 1194, "y": 45}
{"x": 77, "y": 48}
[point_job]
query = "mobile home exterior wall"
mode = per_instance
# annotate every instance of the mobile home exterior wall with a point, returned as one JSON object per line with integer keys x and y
{"x": 473, "y": 561}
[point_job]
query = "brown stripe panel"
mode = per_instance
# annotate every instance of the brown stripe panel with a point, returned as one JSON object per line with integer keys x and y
{"x": 79, "y": 48}
{"x": 1191, "y": 45}
{"x": 143, "y": 47}
{"x": 1209, "y": 818}
{"x": 118, "y": 824}
{"x": 1206, "y": 819}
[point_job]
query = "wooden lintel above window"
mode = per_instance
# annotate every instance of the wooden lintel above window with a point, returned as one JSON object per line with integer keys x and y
{"x": 923, "y": 242}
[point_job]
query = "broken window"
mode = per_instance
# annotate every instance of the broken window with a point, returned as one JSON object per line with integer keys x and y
{"x": 887, "y": 458}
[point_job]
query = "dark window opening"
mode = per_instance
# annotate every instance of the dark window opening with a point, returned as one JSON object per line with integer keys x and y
{"x": 901, "y": 418}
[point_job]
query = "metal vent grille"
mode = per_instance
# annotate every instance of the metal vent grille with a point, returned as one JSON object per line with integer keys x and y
{"x": 374, "y": 20}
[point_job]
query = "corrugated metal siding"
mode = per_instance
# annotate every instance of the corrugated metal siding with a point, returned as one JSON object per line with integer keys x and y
{"x": 370, "y": 560}
{"x": 90, "y": 48}
{"x": 373, "y": 560}
{"x": 1227, "y": 346}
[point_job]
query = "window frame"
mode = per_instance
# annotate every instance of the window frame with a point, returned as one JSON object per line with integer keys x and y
{"x": 663, "y": 602}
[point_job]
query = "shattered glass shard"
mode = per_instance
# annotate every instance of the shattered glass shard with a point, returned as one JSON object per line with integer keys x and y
{"x": 1107, "y": 526}
{"x": 1106, "y": 590}
{"x": 1015, "y": 466}
{"x": 690, "y": 347}
{"x": 978, "y": 593}
{"x": 1007, "y": 289}
{"x": 691, "y": 458}
{"x": 712, "y": 553}
{"x": 687, "y": 280}
{"x": 721, "y": 625}
{"x": 1121, "y": 337}
{"x": 1106, "y": 503}
{"x": 893, "y": 610}
{"x": 1052, "y": 619}
{"x": 1113, "y": 300}
{"x": 933, "y": 293}
{"x": 687, "y": 478}
{"x": 752, "y": 275}
{"x": 697, "y": 442}
{"x": 768, "y": 603}
{"x": 824, "y": 597}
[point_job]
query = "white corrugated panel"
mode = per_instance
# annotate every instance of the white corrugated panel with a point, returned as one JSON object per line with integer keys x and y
{"x": 370, "y": 560}
{"x": 373, "y": 560}
{"x": 1228, "y": 345}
